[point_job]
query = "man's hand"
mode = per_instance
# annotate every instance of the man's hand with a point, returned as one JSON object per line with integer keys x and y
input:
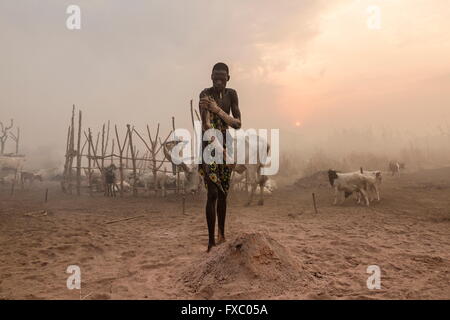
{"x": 235, "y": 124}
{"x": 209, "y": 104}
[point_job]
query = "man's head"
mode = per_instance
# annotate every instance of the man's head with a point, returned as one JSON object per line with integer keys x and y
{"x": 220, "y": 76}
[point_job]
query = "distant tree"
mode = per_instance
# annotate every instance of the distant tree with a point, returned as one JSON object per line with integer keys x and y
{"x": 16, "y": 138}
{"x": 4, "y": 135}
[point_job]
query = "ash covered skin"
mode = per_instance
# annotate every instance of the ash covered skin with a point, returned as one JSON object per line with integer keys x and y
{"x": 216, "y": 103}
{"x": 227, "y": 98}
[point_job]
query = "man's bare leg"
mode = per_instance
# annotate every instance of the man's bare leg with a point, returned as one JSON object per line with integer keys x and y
{"x": 211, "y": 212}
{"x": 221, "y": 215}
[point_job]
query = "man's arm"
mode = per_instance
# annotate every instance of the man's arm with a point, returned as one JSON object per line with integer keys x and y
{"x": 209, "y": 104}
{"x": 204, "y": 112}
{"x": 235, "y": 108}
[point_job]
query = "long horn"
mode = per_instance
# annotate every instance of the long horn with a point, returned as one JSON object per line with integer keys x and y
{"x": 167, "y": 152}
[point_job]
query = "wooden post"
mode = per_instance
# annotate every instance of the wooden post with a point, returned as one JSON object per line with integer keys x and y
{"x": 183, "y": 203}
{"x": 176, "y": 167}
{"x": 17, "y": 140}
{"x": 79, "y": 155}
{"x": 153, "y": 154}
{"x": 107, "y": 137}
{"x": 103, "y": 152}
{"x": 21, "y": 181}
{"x": 314, "y": 202}
{"x": 103, "y": 147}
{"x": 89, "y": 138}
{"x": 72, "y": 149}
{"x": 121, "y": 148}
{"x": 96, "y": 144}
{"x": 66, "y": 163}
{"x": 126, "y": 156}
{"x": 133, "y": 159}
{"x": 46, "y": 195}
{"x": 14, "y": 182}
{"x": 95, "y": 155}
{"x": 192, "y": 115}
{"x": 246, "y": 183}
{"x": 112, "y": 152}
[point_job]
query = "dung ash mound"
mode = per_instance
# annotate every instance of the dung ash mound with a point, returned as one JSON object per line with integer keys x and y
{"x": 252, "y": 262}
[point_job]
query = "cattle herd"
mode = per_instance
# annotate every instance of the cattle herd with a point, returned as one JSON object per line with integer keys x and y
{"x": 363, "y": 184}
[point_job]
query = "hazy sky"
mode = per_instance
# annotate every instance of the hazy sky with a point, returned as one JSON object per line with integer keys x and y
{"x": 297, "y": 65}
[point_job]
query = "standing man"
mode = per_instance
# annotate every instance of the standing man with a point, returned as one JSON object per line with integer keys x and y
{"x": 215, "y": 106}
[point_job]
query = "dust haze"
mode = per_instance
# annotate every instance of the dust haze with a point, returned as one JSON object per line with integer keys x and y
{"x": 362, "y": 103}
{"x": 313, "y": 69}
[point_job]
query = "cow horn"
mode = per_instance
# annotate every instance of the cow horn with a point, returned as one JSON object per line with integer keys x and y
{"x": 167, "y": 152}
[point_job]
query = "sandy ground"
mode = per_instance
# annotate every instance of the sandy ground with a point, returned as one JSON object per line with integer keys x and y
{"x": 282, "y": 250}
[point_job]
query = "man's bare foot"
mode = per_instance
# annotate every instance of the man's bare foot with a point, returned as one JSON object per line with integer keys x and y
{"x": 220, "y": 239}
{"x": 210, "y": 245}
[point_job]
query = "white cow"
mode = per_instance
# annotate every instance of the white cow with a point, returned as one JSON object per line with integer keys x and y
{"x": 348, "y": 183}
{"x": 8, "y": 179}
{"x": 51, "y": 174}
{"x": 163, "y": 181}
{"x": 10, "y": 164}
{"x": 238, "y": 184}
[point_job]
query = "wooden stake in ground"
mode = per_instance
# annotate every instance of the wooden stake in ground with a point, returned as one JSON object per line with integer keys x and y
{"x": 79, "y": 156}
{"x": 89, "y": 138}
{"x": 66, "y": 163}
{"x": 102, "y": 161}
{"x": 183, "y": 203}
{"x": 14, "y": 182}
{"x": 133, "y": 159}
{"x": 192, "y": 115}
{"x": 46, "y": 195}
{"x": 176, "y": 167}
{"x": 314, "y": 202}
{"x": 246, "y": 183}
{"x": 112, "y": 152}
{"x": 121, "y": 148}
{"x": 95, "y": 153}
{"x": 72, "y": 149}
{"x": 126, "y": 155}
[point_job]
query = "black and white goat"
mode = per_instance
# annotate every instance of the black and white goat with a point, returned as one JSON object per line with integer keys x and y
{"x": 349, "y": 183}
